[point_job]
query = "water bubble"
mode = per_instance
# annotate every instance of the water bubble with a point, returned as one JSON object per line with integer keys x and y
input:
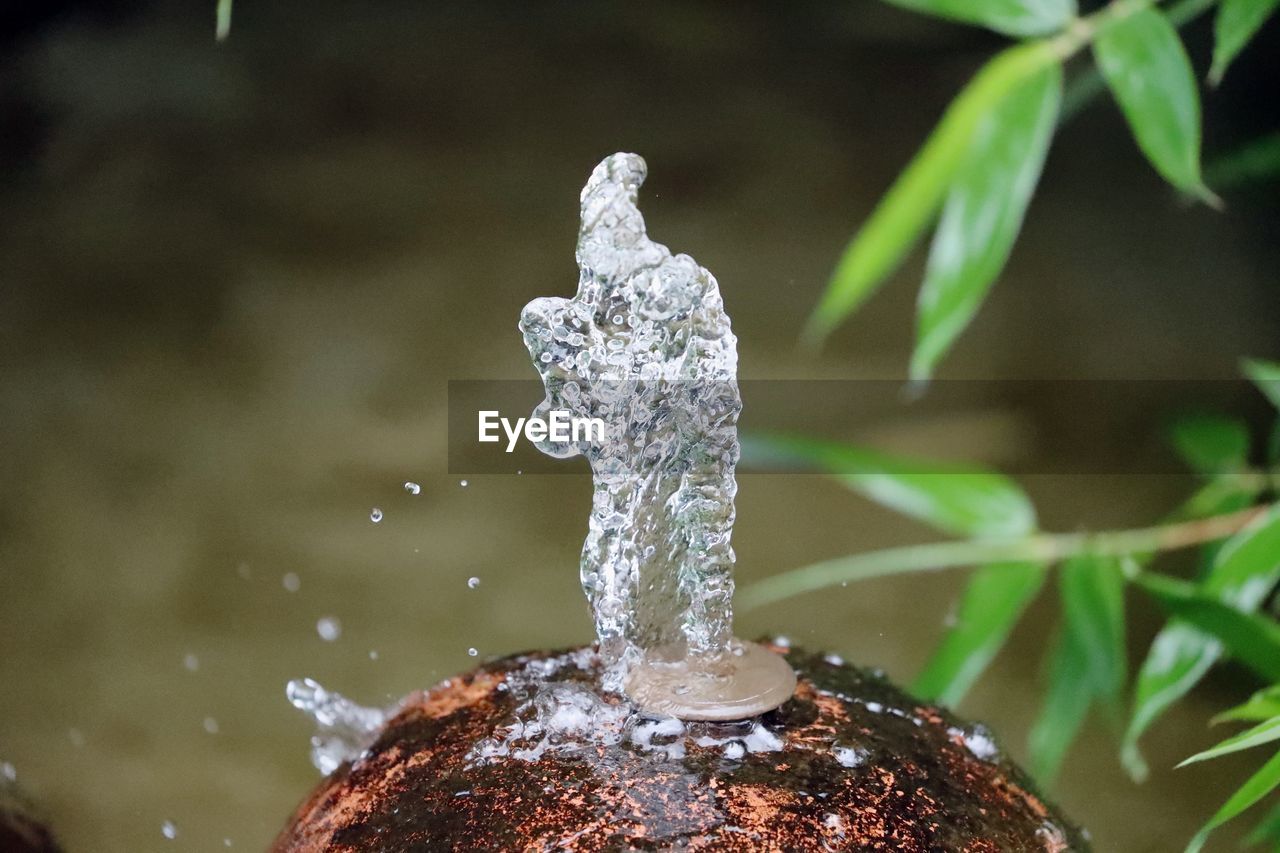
{"x": 168, "y": 830}
{"x": 329, "y": 628}
{"x": 473, "y": 652}
{"x": 412, "y": 487}
{"x": 472, "y": 583}
{"x": 191, "y": 662}
{"x": 375, "y": 515}
{"x": 291, "y": 582}
{"x": 210, "y": 725}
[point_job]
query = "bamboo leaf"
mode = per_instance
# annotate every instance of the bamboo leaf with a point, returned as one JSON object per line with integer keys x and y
{"x": 1266, "y": 831}
{"x": 1236, "y": 22}
{"x": 1018, "y": 18}
{"x": 910, "y": 204}
{"x": 1181, "y": 654}
{"x": 993, "y": 600}
{"x": 223, "y": 23}
{"x": 1066, "y": 705}
{"x": 1212, "y": 444}
{"x": 1251, "y": 639}
{"x": 1255, "y": 788}
{"x": 1149, "y": 74}
{"x": 1256, "y": 160}
{"x": 1262, "y": 705}
{"x": 1248, "y": 566}
{"x": 956, "y": 499}
{"x": 1265, "y": 732}
{"x": 1093, "y": 610}
{"x": 1266, "y": 375}
{"x": 983, "y": 213}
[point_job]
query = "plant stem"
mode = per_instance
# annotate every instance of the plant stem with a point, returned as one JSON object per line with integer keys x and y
{"x": 1038, "y": 547}
{"x": 1088, "y": 84}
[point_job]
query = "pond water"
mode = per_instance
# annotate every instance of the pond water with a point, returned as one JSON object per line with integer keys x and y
{"x": 236, "y": 281}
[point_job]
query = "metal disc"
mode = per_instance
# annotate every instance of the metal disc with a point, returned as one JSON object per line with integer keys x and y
{"x": 742, "y": 685}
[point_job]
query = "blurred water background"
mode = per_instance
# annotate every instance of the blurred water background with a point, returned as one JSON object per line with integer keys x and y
{"x": 235, "y": 279}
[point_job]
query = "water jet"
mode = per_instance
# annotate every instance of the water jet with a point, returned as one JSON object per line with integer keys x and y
{"x": 669, "y": 731}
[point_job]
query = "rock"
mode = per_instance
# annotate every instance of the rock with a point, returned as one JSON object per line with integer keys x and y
{"x": 850, "y": 763}
{"x": 20, "y": 830}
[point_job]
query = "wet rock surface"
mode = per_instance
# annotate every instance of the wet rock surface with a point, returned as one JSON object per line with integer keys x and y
{"x": 21, "y": 830}
{"x": 850, "y": 763}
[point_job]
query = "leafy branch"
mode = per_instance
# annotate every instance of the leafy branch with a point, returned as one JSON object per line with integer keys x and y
{"x": 978, "y": 169}
{"x": 1233, "y": 518}
{"x": 1038, "y": 547}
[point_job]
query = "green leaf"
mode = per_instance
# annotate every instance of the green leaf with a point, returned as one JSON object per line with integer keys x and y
{"x": 1273, "y": 445}
{"x": 910, "y": 204}
{"x": 1088, "y": 661}
{"x": 1258, "y": 159}
{"x": 1262, "y": 705}
{"x": 1248, "y": 565}
{"x": 1066, "y": 705}
{"x": 1181, "y": 654}
{"x": 1251, "y": 639}
{"x": 1212, "y": 444}
{"x": 1011, "y": 17}
{"x": 1265, "y": 732}
{"x": 1255, "y": 788}
{"x": 1147, "y": 70}
{"x": 223, "y": 15}
{"x": 983, "y": 213}
{"x": 993, "y": 600}
{"x": 1093, "y": 609}
{"x": 1266, "y": 375}
{"x": 956, "y": 499}
{"x": 1237, "y": 22}
{"x": 1266, "y": 831}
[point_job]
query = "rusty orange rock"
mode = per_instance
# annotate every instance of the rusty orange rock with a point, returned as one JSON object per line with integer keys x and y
{"x": 850, "y": 763}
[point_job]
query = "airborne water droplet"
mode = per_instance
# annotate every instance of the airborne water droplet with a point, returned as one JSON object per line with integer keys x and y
{"x": 462, "y": 483}
{"x": 291, "y": 582}
{"x": 329, "y": 628}
{"x": 191, "y": 662}
{"x": 412, "y": 488}
{"x": 473, "y": 652}
{"x": 168, "y": 830}
{"x": 375, "y": 515}
{"x": 472, "y": 583}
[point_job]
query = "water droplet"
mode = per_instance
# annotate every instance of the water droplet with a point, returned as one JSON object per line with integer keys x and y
{"x": 191, "y": 662}
{"x": 373, "y": 654}
{"x": 412, "y": 487}
{"x": 169, "y": 830}
{"x": 291, "y": 582}
{"x": 329, "y": 628}
{"x": 473, "y": 652}
{"x": 210, "y": 725}
{"x": 462, "y": 483}
{"x": 375, "y": 515}
{"x": 472, "y": 583}
{"x": 76, "y": 737}
{"x": 8, "y": 771}
{"x": 244, "y": 571}
{"x": 226, "y": 842}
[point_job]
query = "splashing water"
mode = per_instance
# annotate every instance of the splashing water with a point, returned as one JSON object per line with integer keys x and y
{"x": 646, "y": 347}
{"x": 343, "y": 728}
